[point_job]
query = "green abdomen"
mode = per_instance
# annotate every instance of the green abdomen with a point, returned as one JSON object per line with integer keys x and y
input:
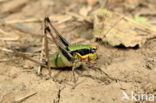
{"x": 57, "y": 60}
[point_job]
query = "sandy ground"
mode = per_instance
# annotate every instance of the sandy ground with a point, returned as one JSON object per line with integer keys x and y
{"x": 118, "y": 69}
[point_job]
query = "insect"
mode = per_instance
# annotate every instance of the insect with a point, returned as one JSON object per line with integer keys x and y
{"x": 68, "y": 55}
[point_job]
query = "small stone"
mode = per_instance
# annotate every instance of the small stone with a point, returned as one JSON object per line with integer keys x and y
{"x": 22, "y": 86}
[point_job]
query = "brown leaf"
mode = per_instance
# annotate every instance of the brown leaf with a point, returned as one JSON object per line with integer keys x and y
{"x": 121, "y": 30}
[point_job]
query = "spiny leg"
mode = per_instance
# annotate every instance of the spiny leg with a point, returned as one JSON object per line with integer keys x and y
{"x": 63, "y": 40}
{"x": 47, "y": 51}
{"x": 61, "y": 49}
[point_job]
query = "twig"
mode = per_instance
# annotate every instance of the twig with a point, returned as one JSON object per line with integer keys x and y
{"x": 11, "y": 51}
{"x": 10, "y": 39}
{"x": 24, "y": 21}
{"x": 6, "y": 50}
{"x": 58, "y": 95}
{"x": 41, "y": 58}
{"x": 13, "y": 10}
{"x": 42, "y": 51}
{"x": 4, "y": 60}
{"x": 79, "y": 17}
{"x": 3, "y": 32}
{"x": 4, "y": 0}
{"x": 19, "y": 100}
{"x": 63, "y": 18}
{"x": 24, "y": 31}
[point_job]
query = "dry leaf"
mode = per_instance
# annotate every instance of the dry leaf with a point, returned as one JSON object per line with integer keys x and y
{"x": 121, "y": 30}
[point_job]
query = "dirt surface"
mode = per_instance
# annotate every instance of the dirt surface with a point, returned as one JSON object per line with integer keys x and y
{"x": 116, "y": 70}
